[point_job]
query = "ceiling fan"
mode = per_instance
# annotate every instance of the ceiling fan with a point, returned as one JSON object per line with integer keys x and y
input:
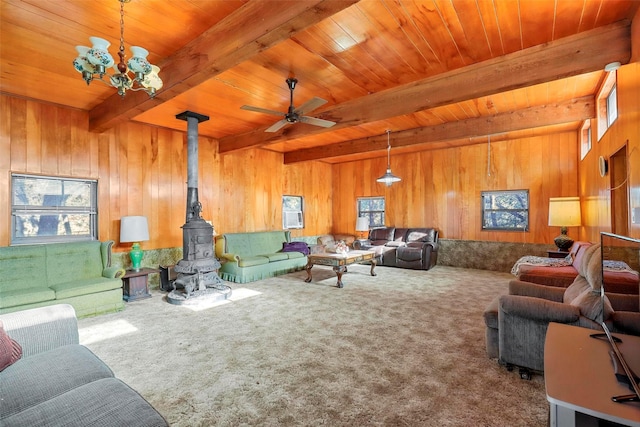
{"x": 294, "y": 115}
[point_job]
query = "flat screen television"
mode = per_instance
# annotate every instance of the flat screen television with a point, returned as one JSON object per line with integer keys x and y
{"x": 620, "y": 275}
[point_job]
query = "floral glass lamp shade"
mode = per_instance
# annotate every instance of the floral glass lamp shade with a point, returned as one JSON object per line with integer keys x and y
{"x": 564, "y": 212}
{"x": 362, "y": 224}
{"x": 134, "y": 229}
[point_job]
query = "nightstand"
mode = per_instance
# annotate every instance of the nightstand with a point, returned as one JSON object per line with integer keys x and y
{"x": 557, "y": 254}
{"x": 136, "y": 284}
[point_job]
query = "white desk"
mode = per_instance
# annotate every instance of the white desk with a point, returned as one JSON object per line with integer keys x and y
{"x": 579, "y": 377}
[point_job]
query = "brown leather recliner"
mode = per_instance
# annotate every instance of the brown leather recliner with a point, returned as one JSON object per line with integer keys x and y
{"x": 415, "y": 248}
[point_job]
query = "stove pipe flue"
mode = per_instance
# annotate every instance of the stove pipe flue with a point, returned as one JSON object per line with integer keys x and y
{"x": 192, "y": 119}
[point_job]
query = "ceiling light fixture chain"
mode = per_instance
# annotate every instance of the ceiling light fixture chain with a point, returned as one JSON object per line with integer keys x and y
{"x": 96, "y": 60}
{"x": 388, "y": 178}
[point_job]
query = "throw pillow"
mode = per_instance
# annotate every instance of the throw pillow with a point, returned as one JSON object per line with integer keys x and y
{"x": 10, "y": 350}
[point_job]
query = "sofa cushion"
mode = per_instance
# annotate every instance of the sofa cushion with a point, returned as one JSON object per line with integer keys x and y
{"x": 578, "y": 286}
{"x": 421, "y": 235}
{"x": 40, "y": 377}
{"x": 106, "y": 401}
{"x": 578, "y": 259}
{"x": 382, "y": 234}
{"x": 22, "y": 264}
{"x": 85, "y": 287}
{"x": 10, "y": 350}
{"x": 593, "y": 306}
{"x": 399, "y": 234}
{"x": 279, "y": 256}
{"x": 252, "y": 260}
{"x": 70, "y": 262}
{"x": 24, "y": 296}
{"x": 294, "y": 255}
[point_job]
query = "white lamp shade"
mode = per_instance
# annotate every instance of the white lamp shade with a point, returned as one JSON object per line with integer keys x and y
{"x": 134, "y": 229}
{"x": 362, "y": 224}
{"x": 564, "y": 212}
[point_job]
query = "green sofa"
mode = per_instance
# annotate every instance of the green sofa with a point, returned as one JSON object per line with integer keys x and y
{"x": 78, "y": 273}
{"x": 246, "y": 257}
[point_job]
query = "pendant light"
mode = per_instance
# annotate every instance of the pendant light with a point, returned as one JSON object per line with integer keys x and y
{"x": 135, "y": 74}
{"x": 388, "y": 178}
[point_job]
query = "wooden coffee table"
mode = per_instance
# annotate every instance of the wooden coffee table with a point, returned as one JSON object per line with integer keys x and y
{"x": 339, "y": 262}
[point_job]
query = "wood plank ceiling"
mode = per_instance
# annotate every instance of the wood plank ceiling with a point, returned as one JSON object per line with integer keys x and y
{"x": 436, "y": 73}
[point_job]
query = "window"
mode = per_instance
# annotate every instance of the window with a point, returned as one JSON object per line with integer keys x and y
{"x": 585, "y": 138}
{"x": 505, "y": 210}
{"x": 372, "y": 208}
{"x": 292, "y": 212}
{"x": 49, "y": 209}
{"x": 607, "y": 104}
{"x": 612, "y": 106}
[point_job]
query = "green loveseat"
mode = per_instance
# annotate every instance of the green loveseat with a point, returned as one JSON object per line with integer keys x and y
{"x": 246, "y": 257}
{"x": 78, "y": 273}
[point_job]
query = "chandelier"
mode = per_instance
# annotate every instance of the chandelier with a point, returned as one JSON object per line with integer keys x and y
{"x": 136, "y": 74}
{"x": 388, "y": 178}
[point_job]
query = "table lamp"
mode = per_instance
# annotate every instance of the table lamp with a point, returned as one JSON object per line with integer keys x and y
{"x": 362, "y": 224}
{"x": 134, "y": 229}
{"x": 564, "y": 212}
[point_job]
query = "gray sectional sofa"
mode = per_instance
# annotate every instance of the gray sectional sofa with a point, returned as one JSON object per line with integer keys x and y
{"x": 58, "y": 382}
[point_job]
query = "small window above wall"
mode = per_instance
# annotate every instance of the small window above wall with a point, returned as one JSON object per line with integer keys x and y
{"x": 585, "y": 138}
{"x": 607, "y": 103}
{"x": 292, "y": 212}
{"x": 506, "y": 210}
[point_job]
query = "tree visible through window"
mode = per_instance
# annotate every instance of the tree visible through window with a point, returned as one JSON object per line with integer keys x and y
{"x": 505, "y": 210}
{"x": 50, "y": 209}
{"x": 372, "y": 208}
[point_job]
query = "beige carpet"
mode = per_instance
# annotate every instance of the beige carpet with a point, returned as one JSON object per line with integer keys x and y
{"x": 405, "y": 348}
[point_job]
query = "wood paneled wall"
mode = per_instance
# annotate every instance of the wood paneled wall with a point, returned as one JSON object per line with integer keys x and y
{"x": 442, "y": 188}
{"x": 623, "y": 134}
{"x": 141, "y": 170}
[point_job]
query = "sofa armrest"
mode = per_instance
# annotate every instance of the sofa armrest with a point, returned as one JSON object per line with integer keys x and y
{"x": 528, "y": 289}
{"x": 626, "y": 322}
{"x": 42, "y": 329}
{"x": 113, "y": 272}
{"x": 231, "y": 257}
{"x": 361, "y": 244}
{"x": 536, "y": 309}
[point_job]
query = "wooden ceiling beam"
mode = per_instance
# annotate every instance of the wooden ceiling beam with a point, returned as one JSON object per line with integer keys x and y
{"x": 578, "y": 54}
{"x": 251, "y": 29}
{"x": 565, "y": 112}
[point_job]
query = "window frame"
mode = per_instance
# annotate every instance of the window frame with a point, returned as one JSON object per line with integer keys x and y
{"x": 298, "y": 201}
{"x": 496, "y": 193}
{"x": 603, "y": 103}
{"x": 586, "y": 138}
{"x": 376, "y": 217}
{"x": 19, "y": 210}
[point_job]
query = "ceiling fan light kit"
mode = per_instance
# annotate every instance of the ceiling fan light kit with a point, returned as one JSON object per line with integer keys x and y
{"x": 388, "y": 178}
{"x": 96, "y": 60}
{"x": 294, "y": 115}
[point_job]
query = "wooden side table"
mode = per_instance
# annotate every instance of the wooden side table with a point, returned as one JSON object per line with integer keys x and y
{"x": 136, "y": 284}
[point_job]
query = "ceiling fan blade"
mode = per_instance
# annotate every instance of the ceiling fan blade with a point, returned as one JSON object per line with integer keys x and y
{"x": 277, "y": 126}
{"x": 310, "y": 105}
{"x": 261, "y": 110}
{"x": 317, "y": 122}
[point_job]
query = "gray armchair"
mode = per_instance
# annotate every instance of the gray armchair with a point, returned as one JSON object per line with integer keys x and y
{"x": 517, "y": 323}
